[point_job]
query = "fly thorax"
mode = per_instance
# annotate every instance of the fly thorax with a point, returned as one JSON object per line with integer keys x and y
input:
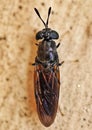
{"x": 47, "y": 51}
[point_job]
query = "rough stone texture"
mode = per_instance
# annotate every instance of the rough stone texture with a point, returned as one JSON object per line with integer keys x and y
{"x": 18, "y": 26}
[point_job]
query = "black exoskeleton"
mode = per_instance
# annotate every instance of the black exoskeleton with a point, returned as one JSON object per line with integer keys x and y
{"x": 47, "y": 74}
{"x": 47, "y": 53}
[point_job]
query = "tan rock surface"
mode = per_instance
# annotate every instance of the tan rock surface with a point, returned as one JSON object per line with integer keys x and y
{"x": 18, "y": 26}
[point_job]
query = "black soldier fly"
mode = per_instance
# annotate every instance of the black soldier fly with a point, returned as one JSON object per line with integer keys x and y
{"x": 46, "y": 75}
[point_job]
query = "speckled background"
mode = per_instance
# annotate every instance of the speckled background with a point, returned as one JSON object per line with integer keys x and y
{"x": 18, "y": 26}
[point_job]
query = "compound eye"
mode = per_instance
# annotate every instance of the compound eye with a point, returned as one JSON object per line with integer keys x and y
{"x": 39, "y": 35}
{"x": 54, "y": 35}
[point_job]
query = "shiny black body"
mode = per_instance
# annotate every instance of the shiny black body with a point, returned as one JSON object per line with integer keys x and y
{"x": 46, "y": 76}
{"x": 47, "y": 54}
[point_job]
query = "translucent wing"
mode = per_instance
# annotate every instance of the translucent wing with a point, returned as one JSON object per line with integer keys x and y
{"x": 47, "y": 93}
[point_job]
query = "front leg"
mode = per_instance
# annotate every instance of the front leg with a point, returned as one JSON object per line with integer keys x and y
{"x": 58, "y": 45}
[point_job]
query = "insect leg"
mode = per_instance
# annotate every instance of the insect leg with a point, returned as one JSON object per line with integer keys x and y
{"x": 34, "y": 64}
{"x": 36, "y": 44}
{"x": 60, "y": 63}
{"x": 58, "y": 45}
{"x": 61, "y": 113}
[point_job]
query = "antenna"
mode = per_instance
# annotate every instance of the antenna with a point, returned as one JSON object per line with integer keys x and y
{"x": 37, "y": 12}
{"x": 49, "y": 11}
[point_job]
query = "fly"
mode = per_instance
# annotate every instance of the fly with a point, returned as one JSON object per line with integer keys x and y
{"x": 47, "y": 75}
